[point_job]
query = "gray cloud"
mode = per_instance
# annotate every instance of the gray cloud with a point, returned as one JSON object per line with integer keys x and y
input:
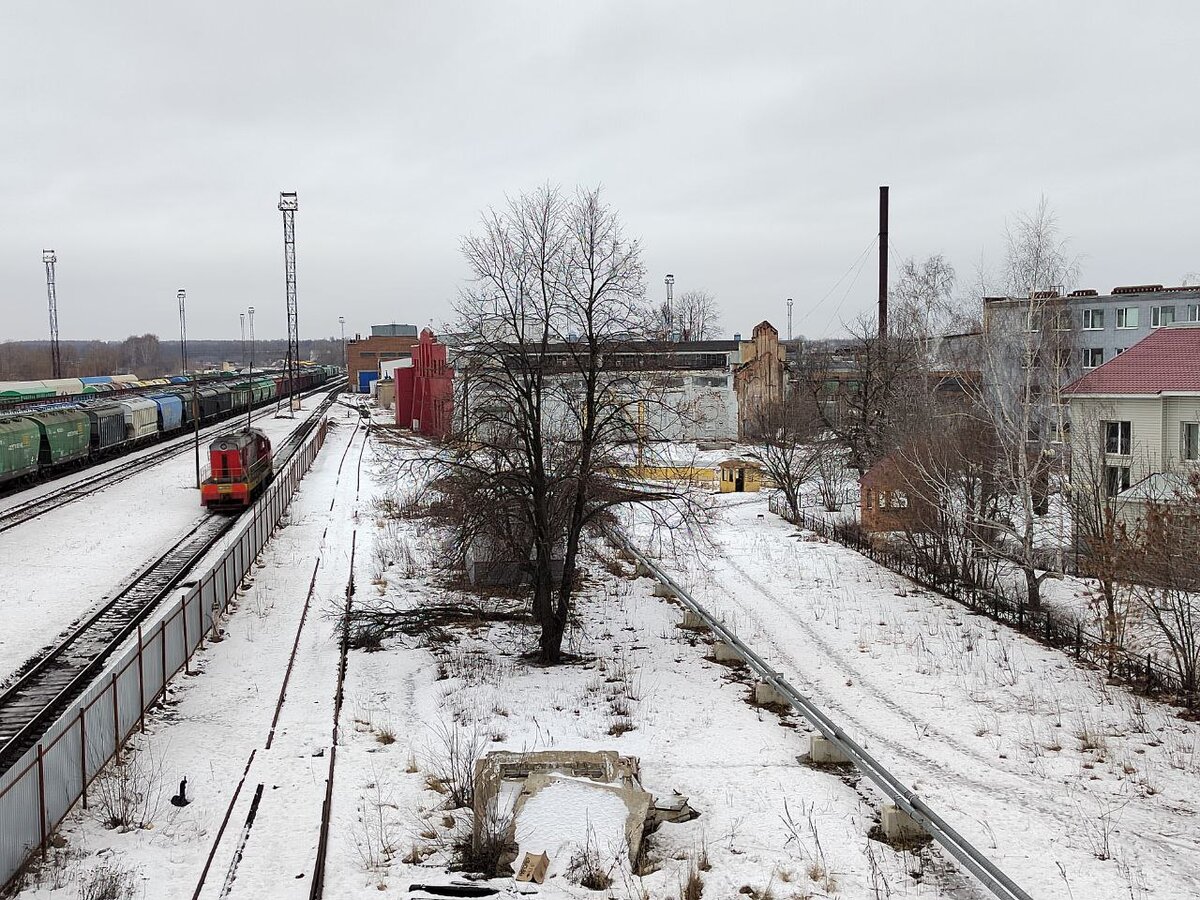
{"x": 147, "y": 143}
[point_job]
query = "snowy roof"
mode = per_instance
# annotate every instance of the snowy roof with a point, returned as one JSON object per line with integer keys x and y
{"x": 1160, "y": 486}
{"x": 1166, "y": 360}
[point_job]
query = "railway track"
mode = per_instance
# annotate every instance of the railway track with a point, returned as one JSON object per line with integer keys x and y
{"x": 47, "y": 685}
{"x": 57, "y": 678}
{"x": 39, "y": 506}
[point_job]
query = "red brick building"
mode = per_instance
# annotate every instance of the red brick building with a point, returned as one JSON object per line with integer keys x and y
{"x": 425, "y": 390}
{"x": 363, "y": 355}
{"x": 891, "y": 498}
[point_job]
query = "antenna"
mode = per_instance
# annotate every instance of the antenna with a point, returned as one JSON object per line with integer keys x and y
{"x": 288, "y": 204}
{"x": 50, "y": 259}
{"x": 789, "y": 318}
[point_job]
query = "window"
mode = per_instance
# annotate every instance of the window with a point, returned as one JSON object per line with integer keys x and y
{"x": 1118, "y": 438}
{"x": 1062, "y": 320}
{"x": 1193, "y": 312}
{"x": 1120, "y": 350}
{"x": 1127, "y": 317}
{"x": 1093, "y": 320}
{"x": 1161, "y": 315}
{"x": 1092, "y": 357}
{"x": 1116, "y": 479}
{"x": 1191, "y": 441}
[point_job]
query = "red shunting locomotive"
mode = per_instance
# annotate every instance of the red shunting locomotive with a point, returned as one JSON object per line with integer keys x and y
{"x": 241, "y": 468}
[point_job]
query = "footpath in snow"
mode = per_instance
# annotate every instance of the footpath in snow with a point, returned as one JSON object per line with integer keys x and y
{"x": 1073, "y": 787}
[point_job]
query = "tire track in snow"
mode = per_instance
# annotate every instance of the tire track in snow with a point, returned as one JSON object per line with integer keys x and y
{"x": 1133, "y": 826}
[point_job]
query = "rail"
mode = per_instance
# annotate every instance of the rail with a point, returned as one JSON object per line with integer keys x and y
{"x": 39, "y": 789}
{"x": 982, "y": 868}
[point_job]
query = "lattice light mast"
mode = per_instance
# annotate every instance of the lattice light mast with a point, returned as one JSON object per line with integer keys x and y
{"x": 50, "y": 259}
{"x": 288, "y": 204}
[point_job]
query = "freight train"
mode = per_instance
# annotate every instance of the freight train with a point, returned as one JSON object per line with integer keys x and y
{"x": 42, "y": 442}
{"x": 241, "y": 466}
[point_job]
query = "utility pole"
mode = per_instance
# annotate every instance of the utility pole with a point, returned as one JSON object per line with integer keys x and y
{"x": 288, "y": 204}
{"x": 789, "y": 318}
{"x": 50, "y": 259}
{"x": 670, "y": 283}
{"x": 883, "y": 262}
{"x": 182, "y": 295}
{"x": 250, "y": 405}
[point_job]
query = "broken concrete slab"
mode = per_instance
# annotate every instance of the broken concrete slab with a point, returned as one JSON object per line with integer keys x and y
{"x": 692, "y": 621}
{"x": 663, "y": 590}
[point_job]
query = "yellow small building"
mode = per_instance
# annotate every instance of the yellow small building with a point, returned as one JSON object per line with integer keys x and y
{"x": 738, "y": 475}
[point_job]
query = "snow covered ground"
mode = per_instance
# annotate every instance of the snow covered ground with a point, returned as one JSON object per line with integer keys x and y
{"x": 58, "y": 566}
{"x": 220, "y": 716}
{"x": 1073, "y": 787}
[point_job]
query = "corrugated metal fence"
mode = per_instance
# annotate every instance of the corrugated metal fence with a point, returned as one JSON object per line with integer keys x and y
{"x": 41, "y": 788}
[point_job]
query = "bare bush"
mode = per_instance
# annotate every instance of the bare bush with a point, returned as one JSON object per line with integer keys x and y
{"x": 108, "y": 881}
{"x": 450, "y": 761}
{"x": 488, "y": 847}
{"x": 127, "y": 794}
{"x": 587, "y": 866}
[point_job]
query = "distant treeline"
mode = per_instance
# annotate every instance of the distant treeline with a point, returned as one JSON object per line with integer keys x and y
{"x": 147, "y": 357}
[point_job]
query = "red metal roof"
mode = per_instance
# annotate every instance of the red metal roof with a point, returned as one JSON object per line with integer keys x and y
{"x": 1165, "y": 360}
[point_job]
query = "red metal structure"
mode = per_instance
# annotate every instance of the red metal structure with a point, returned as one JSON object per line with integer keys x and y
{"x": 241, "y": 467}
{"x": 425, "y": 390}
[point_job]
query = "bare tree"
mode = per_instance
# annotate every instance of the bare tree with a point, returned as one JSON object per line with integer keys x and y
{"x": 1166, "y": 576}
{"x": 863, "y": 389}
{"x": 789, "y": 445}
{"x": 557, "y": 292}
{"x": 692, "y": 316}
{"x": 1028, "y": 359}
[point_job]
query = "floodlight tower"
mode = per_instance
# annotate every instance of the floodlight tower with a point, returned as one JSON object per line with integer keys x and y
{"x": 288, "y": 204}
{"x": 50, "y": 259}
{"x": 789, "y": 318}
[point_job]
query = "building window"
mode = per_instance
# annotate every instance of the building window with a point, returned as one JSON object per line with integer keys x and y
{"x": 1161, "y": 315}
{"x": 1062, "y": 320}
{"x": 1119, "y": 350}
{"x": 1191, "y": 441}
{"x": 1093, "y": 320}
{"x": 1127, "y": 317}
{"x": 1092, "y": 357}
{"x": 1116, "y": 479}
{"x": 1193, "y": 312}
{"x": 1118, "y": 438}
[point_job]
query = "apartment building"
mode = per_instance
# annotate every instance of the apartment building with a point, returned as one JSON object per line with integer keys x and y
{"x": 1144, "y": 406}
{"x": 1099, "y": 326}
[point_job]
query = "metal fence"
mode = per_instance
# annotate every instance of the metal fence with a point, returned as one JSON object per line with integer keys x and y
{"x": 1144, "y": 672}
{"x": 975, "y": 862}
{"x": 38, "y": 791}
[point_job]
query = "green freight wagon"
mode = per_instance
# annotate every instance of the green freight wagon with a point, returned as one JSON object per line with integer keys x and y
{"x": 65, "y": 436}
{"x": 19, "y": 445}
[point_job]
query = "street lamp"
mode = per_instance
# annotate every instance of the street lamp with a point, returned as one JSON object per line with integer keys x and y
{"x": 670, "y": 283}
{"x": 181, "y": 294}
{"x": 250, "y": 405}
{"x": 342, "y": 322}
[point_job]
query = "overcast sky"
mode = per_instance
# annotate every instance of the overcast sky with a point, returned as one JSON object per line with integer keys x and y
{"x": 743, "y": 142}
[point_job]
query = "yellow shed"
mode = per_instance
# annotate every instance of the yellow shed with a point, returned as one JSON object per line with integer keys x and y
{"x": 739, "y": 475}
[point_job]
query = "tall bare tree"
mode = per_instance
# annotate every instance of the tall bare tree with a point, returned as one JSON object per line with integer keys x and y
{"x": 692, "y": 316}
{"x": 1028, "y": 359}
{"x": 557, "y": 291}
{"x": 788, "y": 444}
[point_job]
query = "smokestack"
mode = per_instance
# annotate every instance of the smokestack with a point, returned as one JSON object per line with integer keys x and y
{"x": 883, "y": 261}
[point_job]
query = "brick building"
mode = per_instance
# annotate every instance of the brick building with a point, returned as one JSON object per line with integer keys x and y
{"x": 425, "y": 389}
{"x": 385, "y": 342}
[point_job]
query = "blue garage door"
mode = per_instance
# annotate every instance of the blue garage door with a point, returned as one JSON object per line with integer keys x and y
{"x": 364, "y": 381}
